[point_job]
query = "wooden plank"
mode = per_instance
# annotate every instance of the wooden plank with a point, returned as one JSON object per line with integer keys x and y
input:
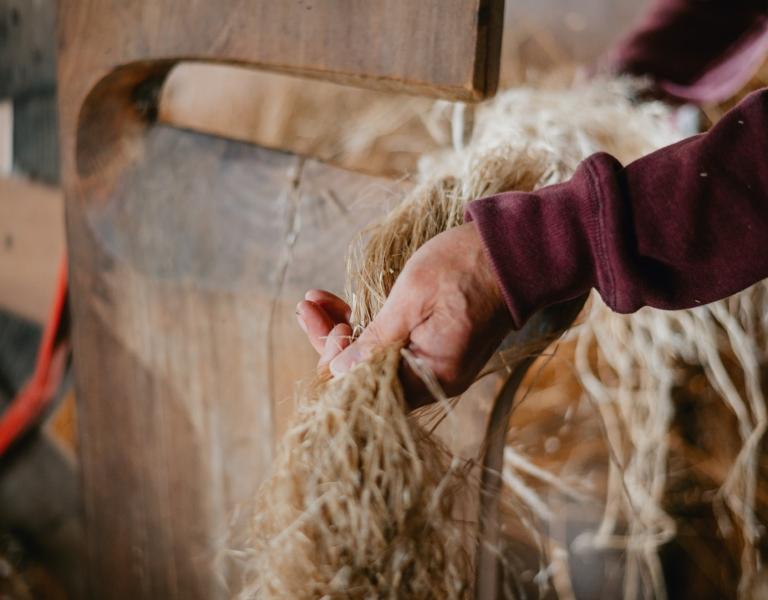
{"x": 446, "y": 48}
{"x": 280, "y": 111}
{"x": 31, "y": 246}
{"x": 187, "y": 349}
{"x": 187, "y": 267}
{"x": 27, "y": 47}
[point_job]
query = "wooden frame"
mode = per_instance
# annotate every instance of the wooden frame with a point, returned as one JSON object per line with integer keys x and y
{"x": 187, "y": 253}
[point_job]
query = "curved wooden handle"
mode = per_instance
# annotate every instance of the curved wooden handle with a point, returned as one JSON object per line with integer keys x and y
{"x": 114, "y": 53}
{"x": 540, "y": 331}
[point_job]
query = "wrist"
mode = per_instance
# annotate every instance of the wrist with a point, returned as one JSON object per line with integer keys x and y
{"x": 538, "y": 245}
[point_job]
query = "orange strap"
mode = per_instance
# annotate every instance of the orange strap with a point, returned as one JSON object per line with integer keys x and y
{"x": 39, "y": 391}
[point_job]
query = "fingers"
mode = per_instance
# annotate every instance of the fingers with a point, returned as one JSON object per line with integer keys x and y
{"x": 315, "y": 322}
{"x": 416, "y": 391}
{"x": 318, "y": 313}
{"x": 319, "y": 316}
{"x": 389, "y": 327}
{"x": 335, "y": 307}
{"x": 338, "y": 339}
{"x": 327, "y": 337}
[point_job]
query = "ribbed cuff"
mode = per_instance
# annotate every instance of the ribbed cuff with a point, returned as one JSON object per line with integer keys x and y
{"x": 544, "y": 245}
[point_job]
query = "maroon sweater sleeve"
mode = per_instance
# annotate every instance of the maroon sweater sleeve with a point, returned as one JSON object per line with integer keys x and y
{"x": 696, "y": 50}
{"x": 684, "y": 226}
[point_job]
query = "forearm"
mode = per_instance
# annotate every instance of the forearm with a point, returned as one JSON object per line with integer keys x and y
{"x": 683, "y": 226}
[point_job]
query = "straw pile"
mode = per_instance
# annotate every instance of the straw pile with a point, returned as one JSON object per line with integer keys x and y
{"x": 359, "y": 498}
{"x": 643, "y": 361}
{"x": 363, "y": 502}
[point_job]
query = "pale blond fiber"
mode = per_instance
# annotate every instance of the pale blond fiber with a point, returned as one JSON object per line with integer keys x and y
{"x": 360, "y": 496}
{"x": 364, "y": 503}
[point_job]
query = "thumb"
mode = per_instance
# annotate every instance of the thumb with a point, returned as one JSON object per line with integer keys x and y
{"x": 390, "y": 326}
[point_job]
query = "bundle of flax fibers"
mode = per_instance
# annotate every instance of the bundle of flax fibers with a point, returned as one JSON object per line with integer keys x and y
{"x": 363, "y": 500}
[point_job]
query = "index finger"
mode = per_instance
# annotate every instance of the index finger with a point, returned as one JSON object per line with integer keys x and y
{"x": 336, "y": 307}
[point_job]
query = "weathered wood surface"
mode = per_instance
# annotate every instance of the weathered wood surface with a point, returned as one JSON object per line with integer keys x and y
{"x": 31, "y": 246}
{"x": 186, "y": 272}
{"x": 187, "y": 349}
{"x": 445, "y": 48}
{"x": 189, "y": 252}
{"x": 276, "y": 110}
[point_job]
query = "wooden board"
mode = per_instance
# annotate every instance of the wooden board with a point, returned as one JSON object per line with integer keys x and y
{"x": 31, "y": 246}
{"x": 186, "y": 272}
{"x": 446, "y": 48}
{"x": 334, "y": 121}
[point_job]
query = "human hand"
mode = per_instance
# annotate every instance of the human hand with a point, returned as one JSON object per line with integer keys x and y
{"x": 445, "y": 307}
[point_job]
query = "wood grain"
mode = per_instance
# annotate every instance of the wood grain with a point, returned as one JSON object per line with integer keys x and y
{"x": 188, "y": 266}
{"x": 189, "y": 252}
{"x": 446, "y": 48}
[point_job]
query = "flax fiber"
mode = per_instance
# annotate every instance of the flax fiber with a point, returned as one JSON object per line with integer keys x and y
{"x": 365, "y": 502}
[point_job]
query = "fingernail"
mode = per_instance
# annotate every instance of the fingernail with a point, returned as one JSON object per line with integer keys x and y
{"x": 345, "y": 361}
{"x": 302, "y": 324}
